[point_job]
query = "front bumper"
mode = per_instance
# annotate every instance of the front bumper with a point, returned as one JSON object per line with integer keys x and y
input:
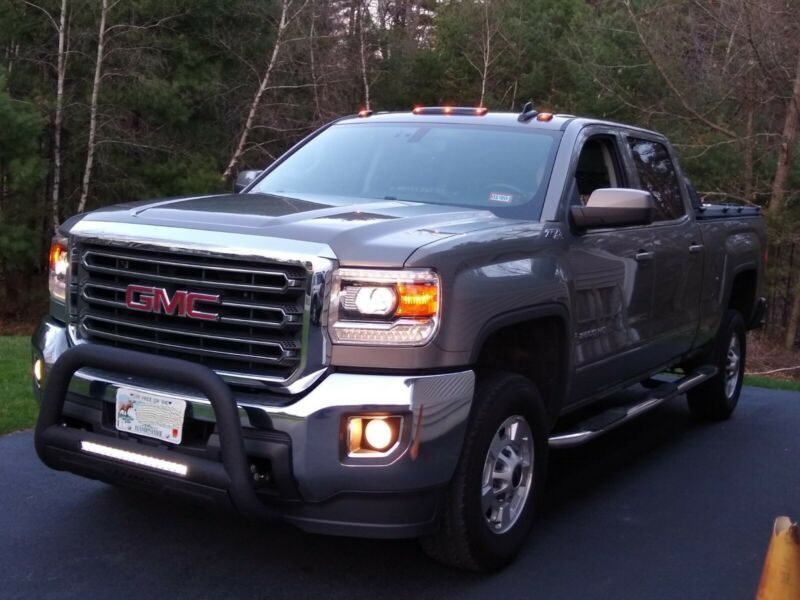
{"x": 311, "y": 480}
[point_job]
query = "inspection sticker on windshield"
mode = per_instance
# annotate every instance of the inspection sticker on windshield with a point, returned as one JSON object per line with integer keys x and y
{"x": 502, "y": 198}
{"x": 152, "y": 415}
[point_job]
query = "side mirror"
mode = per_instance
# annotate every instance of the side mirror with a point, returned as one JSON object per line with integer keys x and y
{"x": 614, "y": 207}
{"x": 243, "y": 179}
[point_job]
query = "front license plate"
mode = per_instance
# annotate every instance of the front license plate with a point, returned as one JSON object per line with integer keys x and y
{"x": 152, "y": 415}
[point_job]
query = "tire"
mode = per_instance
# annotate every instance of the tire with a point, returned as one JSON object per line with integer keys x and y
{"x": 716, "y": 399}
{"x": 473, "y": 533}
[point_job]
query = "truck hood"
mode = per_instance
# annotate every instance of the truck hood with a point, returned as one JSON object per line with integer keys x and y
{"x": 366, "y": 233}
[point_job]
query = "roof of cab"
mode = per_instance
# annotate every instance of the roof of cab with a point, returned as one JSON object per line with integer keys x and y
{"x": 506, "y": 119}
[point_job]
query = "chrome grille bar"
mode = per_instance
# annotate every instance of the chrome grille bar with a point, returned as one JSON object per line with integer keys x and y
{"x": 175, "y": 263}
{"x": 188, "y": 333}
{"x": 180, "y": 347}
{"x": 284, "y": 316}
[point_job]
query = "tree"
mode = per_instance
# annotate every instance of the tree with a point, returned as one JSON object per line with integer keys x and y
{"x": 98, "y": 78}
{"x": 62, "y": 31}
{"x": 284, "y": 20}
{"x": 788, "y": 142}
{"x": 20, "y": 173}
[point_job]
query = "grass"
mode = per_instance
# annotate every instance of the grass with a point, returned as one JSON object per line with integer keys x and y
{"x": 17, "y": 407}
{"x": 773, "y": 384}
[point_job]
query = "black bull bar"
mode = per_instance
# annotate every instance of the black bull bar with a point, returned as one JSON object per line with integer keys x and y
{"x": 60, "y": 447}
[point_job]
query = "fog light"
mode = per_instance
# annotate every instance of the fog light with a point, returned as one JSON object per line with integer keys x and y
{"x": 38, "y": 370}
{"x": 378, "y": 434}
{"x": 373, "y": 435}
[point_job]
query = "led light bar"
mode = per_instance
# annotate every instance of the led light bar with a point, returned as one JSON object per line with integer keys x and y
{"x": 134, "y": 458}
{"x": 465, "y": 111}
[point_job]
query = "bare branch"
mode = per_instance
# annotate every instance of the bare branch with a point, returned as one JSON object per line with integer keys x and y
{"x": 668, "y": 81}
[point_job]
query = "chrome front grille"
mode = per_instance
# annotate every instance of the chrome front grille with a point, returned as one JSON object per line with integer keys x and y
{"x": 259, "y": 324}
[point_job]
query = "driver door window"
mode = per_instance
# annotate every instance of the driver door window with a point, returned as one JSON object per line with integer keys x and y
{"x": 597, "y": 168}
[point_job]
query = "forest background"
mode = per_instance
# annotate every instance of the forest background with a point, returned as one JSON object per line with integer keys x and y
{"x": 105, "y": 101}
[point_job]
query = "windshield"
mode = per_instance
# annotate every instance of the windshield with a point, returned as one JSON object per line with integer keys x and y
{"x": 500, "y": 168}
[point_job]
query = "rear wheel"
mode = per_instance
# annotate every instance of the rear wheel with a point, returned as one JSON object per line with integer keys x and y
{"x": 716, "y": 399}
{"x": 490, "y": 503}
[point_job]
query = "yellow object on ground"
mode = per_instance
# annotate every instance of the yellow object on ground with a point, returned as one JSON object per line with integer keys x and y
{"x": 780, "y": 579}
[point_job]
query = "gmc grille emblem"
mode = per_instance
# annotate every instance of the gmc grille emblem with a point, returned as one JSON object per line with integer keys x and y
{"x": 157, "y": 300}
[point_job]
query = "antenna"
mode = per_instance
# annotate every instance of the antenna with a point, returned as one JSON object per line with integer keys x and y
{"x": 528, "y": 112}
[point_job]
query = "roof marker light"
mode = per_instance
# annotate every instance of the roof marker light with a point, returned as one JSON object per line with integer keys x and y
{"x": 544, "y": 117}
{"x": 364, "y": 112}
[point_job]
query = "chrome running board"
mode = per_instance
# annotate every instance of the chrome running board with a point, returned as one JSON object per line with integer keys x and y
{"x": 603, "y": 422}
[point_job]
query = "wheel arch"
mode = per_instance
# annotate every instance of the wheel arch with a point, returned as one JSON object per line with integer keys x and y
{"x": 535, "y": 343}
{"x": 743, "y": 293}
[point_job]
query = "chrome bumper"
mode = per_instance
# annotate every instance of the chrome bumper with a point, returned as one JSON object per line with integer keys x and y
{"x": 435, "y": 407}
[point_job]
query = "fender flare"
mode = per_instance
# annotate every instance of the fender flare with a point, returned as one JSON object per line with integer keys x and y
{"x": 532, "y": 313}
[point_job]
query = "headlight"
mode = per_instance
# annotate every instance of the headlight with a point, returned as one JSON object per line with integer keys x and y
{"x": 59, "y": 265}
{"x": 385, "y": 307}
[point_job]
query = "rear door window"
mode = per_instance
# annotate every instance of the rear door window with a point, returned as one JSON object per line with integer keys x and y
{"x": 657, "y": 175}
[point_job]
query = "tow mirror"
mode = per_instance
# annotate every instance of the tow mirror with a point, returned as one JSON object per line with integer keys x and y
{"x": 243, "y": 179}
{"x": 614, "y": 207}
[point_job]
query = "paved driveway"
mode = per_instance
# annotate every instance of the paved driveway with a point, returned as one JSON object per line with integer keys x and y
{"x": 661, "y": 508}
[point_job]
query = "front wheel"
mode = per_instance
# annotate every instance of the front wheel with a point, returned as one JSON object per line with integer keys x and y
{"x": 490, "y": 503}
{"x": 716, "y": 399}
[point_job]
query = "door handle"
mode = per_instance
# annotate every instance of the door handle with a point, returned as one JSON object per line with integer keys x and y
{"x": 643, "y": 256}
{"x": 695, "y": 248}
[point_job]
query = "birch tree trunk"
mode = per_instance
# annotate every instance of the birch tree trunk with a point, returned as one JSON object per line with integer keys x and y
{"x": 362, "y": 52}
{"x": 254, "y": 105}
{"x": 487, "y": 53}
{"x": 312, "y": 40}
{"x": 98, "y": 76}
{"x": 788, "y": 140}
{"x": 61, "y": 68}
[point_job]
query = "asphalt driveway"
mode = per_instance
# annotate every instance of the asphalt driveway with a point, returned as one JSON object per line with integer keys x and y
{"x": 661, "y": 508}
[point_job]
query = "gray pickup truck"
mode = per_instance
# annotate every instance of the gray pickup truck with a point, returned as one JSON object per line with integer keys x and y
{"x": 386, "y": 330}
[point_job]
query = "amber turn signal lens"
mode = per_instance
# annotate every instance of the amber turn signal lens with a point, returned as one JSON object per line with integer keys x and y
{"x": 58, "y": 257}
{"x": 417, "y": 300}
{"x": 59, "y": 265}
{"x": 38, "y": 370}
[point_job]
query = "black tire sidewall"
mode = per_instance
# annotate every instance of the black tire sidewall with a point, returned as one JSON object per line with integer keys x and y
{"x": 734, "y": 327}
{"x": 709, "y": 401}
{"x": 516, "y": 397}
